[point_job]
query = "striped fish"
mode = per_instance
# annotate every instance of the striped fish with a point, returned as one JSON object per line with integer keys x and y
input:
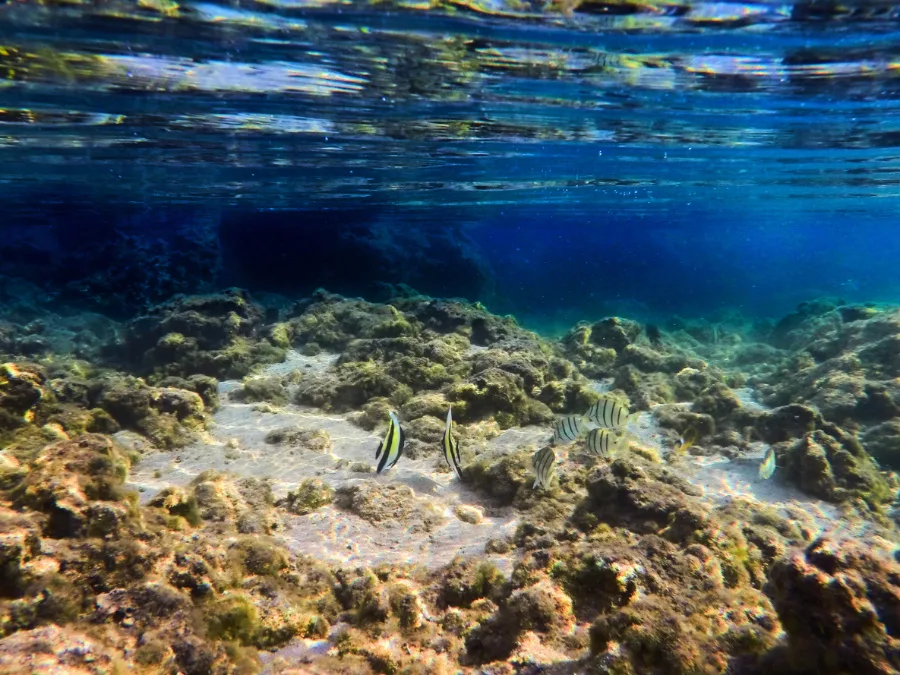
{"x": 767, "y": 466}
{"x": 451, "y": 448}
{"x": 544, "y": 464}
{"x": 391, "y": 447}
{"x": 608, "y": 412}
{"x": 603, "y": 442}
{"x": 568, "y": 428}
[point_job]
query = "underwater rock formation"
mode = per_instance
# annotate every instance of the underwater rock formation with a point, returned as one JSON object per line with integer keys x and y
{"x": 215, "y": 335}
{"x": 840, "y": 608}
{"x": 419, "y": 349}
{"x": 620, "y": 566}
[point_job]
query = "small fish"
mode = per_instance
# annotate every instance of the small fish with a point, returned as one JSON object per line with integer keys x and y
{"x": 544, "y": 464}
{"x": 568, "y": 428}
{"x": 608, "y": 412}
{"x": 451, "y": 447}
{"x": 767, "y": 466}
{"x": 391, "y": 447}
{"x": 687, "y": 440}
{"x": 603, "y": 442}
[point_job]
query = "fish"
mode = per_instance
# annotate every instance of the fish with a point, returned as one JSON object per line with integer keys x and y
{"x": 608, "y": 412}
{"x": 603, "y": 442}
{"x": 391, "y": 448}
{"x": 451, "y": 447}
{"x": 687, "y": 440}
{"x": 568, "y": 428}
{"x": 767, "y": 466}
{"x": 544, "y": 464}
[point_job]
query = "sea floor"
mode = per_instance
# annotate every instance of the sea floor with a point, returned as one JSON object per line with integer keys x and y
{"x": 235, "y": 443}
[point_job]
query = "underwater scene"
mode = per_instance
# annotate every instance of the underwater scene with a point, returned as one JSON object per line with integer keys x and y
{"x": 414, "y": 337}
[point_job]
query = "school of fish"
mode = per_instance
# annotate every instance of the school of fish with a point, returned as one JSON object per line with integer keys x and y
{"x": 606, "y": 423}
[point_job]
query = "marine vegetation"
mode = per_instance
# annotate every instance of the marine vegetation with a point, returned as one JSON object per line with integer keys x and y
{"x": 605, "y": 555}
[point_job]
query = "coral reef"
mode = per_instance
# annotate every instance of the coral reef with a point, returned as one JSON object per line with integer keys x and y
{"x": 840, "y": 607}
{"x": 418, "y": 353}
{"x": 622, "y": 566}
{"x": 218, "y": 335}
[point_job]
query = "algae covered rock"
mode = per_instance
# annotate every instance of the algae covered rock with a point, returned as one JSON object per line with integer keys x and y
{"x": 169, "y": 417}
{"x": 840, "y": 607}
{"x": 390, "y": 504}
{"x": 836, "y": 469}
{"x": 310, "y": 495}
{"x": 216, "y": 335}
{"x": 78, "y": 484}
{"x": 315, "y": 440}
{"x": 256, "y": 389}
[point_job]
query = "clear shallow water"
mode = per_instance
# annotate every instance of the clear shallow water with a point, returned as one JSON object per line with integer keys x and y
{"x": 716, "y": 154}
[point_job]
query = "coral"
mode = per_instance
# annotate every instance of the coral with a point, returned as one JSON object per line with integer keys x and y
{"x": 382, "y": 504}
{"x": 169, "y": 417}
{"x": 214, "y": 335}
{"x": 315, "y": 440}
{"x": 882, "y": 442}
{"x": 466, "y": 580}
{"x": 498, "y": 392}
{"x": 836, "y": 468}
{"x": 255, "y": 389}
{"x": 501, "y": 478}
{"x": 840, "y": 607}
{"x": 310, "y": 495}
{"x": 77, "y": 484}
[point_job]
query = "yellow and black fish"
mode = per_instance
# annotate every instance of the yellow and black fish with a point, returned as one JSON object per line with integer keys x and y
{"x": 608, "y": 412}
{"x": 687, "y": 440}
{"x": 544, "y": 464}
{"x": 451, "y": 448}
{"x": 767, "y": 466}
{"x": 568, "y": 428}
{"x": 603, "y": 442}
{"x": 391, "y": 447}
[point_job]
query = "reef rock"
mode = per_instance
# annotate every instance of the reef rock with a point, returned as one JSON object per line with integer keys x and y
{"x": 840, "y": 608}
{"x": 217, "y": 335}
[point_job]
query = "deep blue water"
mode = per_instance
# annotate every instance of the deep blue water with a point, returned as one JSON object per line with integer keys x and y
{"x": 645, "y": 159}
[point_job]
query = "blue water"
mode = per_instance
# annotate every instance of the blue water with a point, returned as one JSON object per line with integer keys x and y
{"x": 657, "y": 159}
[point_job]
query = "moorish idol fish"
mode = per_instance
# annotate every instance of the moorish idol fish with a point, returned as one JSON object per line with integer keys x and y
{"x": 451, "y": 447}
{"x": 391, "y": 447}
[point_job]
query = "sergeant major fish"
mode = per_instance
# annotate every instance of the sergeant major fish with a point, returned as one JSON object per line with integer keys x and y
{"x": 608, "y": 412}
{"x": 603, "y": 442}
{"x": 544, "y": 464}
{"x": 391, "y": 447}
{"x": 767, "y": 466}
{"x": 451, "y": 447}
{"x": 568, "y": 428}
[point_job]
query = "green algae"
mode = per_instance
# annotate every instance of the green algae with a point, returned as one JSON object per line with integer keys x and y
{"x": 310, "y": 495}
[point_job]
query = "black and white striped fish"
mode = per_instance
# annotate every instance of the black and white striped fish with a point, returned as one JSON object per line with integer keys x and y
{"x": 544, "y": 464}
{"x": 451, "y": 447}
{"x": 603, "y": 442}
{"x": 391, "y": 447}
{"x": 608, "y": 412}
{"x": 568, "y": 428}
